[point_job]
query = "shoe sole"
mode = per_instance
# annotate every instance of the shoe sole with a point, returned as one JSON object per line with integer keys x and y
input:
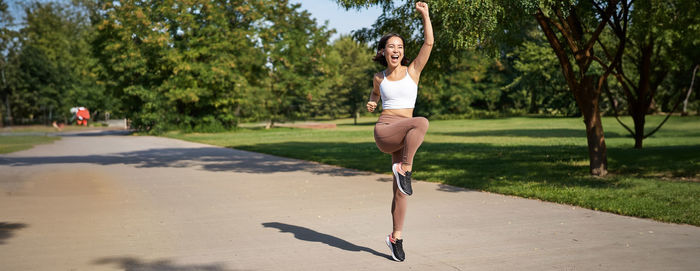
{"x": 396, "y": 176}
{"x": 388, "y": 243}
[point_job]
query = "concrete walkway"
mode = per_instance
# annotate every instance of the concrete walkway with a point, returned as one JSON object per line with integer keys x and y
{"x": 111, "y": 202}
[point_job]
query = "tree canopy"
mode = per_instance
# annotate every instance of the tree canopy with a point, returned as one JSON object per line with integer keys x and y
{"x": 208, "y": 65}
{"x": 578, "y": 33}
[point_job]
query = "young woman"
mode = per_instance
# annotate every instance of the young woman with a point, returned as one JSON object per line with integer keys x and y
{"x": 397, "y": 132}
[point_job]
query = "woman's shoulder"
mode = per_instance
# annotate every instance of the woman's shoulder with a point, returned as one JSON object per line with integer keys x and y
{"x": 379, "y": 76}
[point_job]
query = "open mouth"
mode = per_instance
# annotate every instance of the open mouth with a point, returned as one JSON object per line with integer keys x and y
{"x": 394, "y": 58}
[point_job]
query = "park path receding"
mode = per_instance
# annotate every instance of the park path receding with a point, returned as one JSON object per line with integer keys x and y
{"x": 99, "y": 201}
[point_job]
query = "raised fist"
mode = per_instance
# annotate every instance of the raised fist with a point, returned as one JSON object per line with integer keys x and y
{"x": 422, "y": 8}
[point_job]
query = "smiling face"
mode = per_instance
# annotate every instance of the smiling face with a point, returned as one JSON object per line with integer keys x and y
{"x": 393, "y": 51}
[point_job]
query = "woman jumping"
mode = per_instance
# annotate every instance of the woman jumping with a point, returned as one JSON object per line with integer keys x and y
{"x": 397, "y": 132}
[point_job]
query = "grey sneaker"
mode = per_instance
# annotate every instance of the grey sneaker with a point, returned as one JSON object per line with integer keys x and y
{"x": 402, "y": 181}
{"x": 396, "y": 247}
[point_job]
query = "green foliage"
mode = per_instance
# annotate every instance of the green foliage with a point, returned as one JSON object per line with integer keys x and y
{"x": 47, "y": 66}
{"x": 348, "y": 71}
{"x": 459, "y": 24}
{"x": 674, "y": 29}
{"x": 208, "y": 65}
{"x": 455, "y": 82}
{"x": 294, "y": 47}
{"x": 657, "y": 37}
{"x": 540, "y": 85}
{"x": 470, "y": 82}
{"x": 177, "y": 65}
{"x": 204, "y": 64}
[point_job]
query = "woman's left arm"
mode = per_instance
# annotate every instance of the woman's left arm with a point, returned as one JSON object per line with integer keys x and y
{"x": 418, "y": 64}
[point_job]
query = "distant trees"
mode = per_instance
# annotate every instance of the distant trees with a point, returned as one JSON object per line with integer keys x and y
{"x": 659, "y": 37}
{"x": 539, "y": 77}
{"x": 46, "y": 65}
{"x": 179, "y": 65}
{"x": 294, "y": 47}
{"x": 349, "y": 70}
{"x": 207, "y": 65}
{"x": 8, "y": 63}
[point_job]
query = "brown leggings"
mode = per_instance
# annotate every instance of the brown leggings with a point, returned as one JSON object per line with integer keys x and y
{"x": 401, "y": 137}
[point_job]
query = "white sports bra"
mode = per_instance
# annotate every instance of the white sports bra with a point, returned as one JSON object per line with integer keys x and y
{"x": 398, "y": 94}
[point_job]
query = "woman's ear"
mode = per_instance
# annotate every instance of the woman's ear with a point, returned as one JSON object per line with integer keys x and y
{"x": 381, "y": 51}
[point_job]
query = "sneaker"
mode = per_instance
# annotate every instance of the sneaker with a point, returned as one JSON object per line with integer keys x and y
{"x": 403, "y": 181}
{"x": 396, "y": 247}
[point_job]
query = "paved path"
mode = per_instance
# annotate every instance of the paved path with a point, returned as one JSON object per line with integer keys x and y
{"x": 110, "y": 202}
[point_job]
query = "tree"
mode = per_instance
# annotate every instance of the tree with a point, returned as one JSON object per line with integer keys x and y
{"x": 456, "y": 82}
{"x": 207, "y": 64}
{"x": 6, "y": 37}
{"x": 44, "y": 64}
{"x": 690, "y": 91}
{"x": 540, "y": 79}
{"x": 655, "y": 33}
{"x": 348, "y": 67}
{"x": 294, "y": 46}
{"x": 47, "y": 59}
{"x": 571, "y": 28}
{"x": 189, "y": 65}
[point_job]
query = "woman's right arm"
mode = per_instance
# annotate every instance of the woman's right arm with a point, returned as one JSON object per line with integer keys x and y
{"x": 419, "y": 63}
{"x": 374, "y": 95}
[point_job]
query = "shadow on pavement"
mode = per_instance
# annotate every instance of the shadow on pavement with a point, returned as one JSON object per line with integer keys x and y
{"x": 134, "y": 264}
{"x": 207, "y": 158}
{"x": 99, "y": 132}
{"x": 6, "y": 230}
{"x": 96, "y": 133}
{"x": 310, "y": 235}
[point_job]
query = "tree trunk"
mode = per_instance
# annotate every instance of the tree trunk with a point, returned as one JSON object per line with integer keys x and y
{"x": 9, "y": 110}
{"x": 533, "y": 102}
{"x": 587, "y": 99}
{"x": 4, "y": 83}
{"x": 690, "y": 90}
{"x": 581, "y": 85}
{"x": 356, "y": 115}
{"x": 639, "y": 120}
{"x": 640, "y": 106}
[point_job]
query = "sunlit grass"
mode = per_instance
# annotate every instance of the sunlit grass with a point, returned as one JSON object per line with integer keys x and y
{"x": 17, "y": 143}
{"x": 543, "y": 158}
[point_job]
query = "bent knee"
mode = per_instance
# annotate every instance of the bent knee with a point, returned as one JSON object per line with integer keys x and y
{"x": 422, "y": 123}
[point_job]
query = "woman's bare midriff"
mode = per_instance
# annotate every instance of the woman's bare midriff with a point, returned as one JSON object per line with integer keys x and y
{"x": 405, "y": 112}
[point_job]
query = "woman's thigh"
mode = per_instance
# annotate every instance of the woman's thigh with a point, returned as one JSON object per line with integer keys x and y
{"x": 390, "y": 136}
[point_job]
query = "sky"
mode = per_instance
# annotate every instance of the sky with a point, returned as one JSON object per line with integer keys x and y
{"x": 343, "y": 21}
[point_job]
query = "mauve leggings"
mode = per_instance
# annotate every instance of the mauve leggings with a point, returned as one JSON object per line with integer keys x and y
{"x": 401, "y": 137}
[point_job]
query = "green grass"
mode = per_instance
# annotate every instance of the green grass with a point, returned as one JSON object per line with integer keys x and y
{"x": 10, "y": 144}
{"x": 543, "y": 158}
{"x": 40, "y": 129}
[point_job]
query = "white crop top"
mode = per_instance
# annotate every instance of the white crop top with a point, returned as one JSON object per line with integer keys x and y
{"x": 398, "y": 94}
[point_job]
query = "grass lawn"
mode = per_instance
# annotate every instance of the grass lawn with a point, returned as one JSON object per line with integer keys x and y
{"x": 40, "y": 129}
{"x": 17, "y": 143}
{"x": 22, "y": 137}
{"x": 543, "y": 158}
